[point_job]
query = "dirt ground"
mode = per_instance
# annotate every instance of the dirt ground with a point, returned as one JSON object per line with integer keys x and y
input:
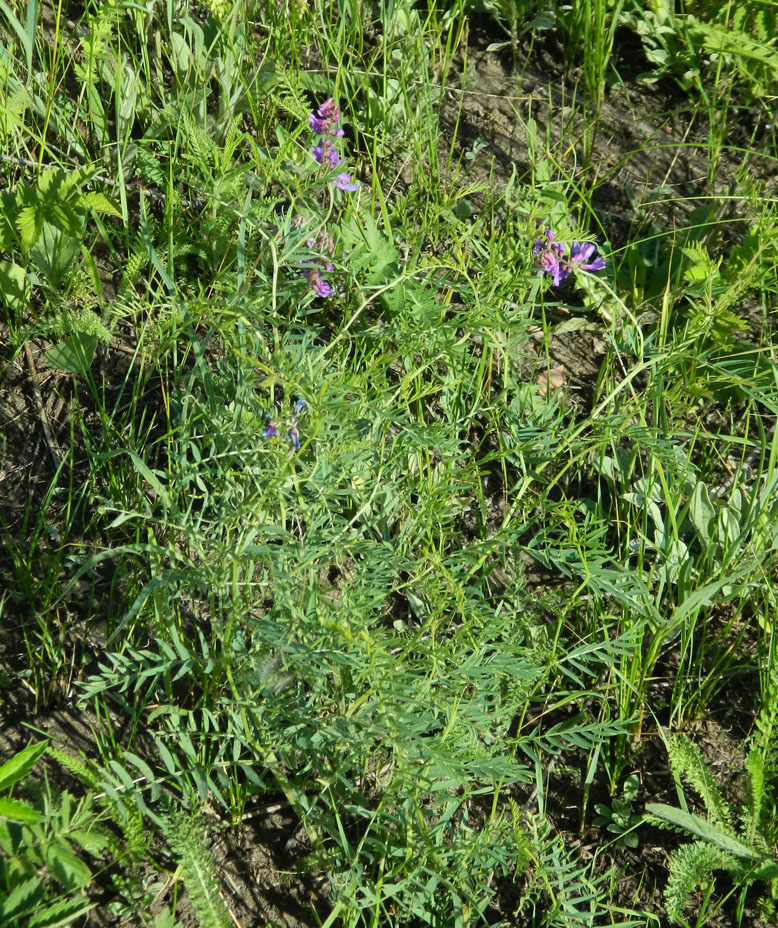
{"x": 643, "y": 139}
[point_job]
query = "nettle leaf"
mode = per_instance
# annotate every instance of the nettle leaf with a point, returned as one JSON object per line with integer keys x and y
{"x": 53, "y": 254}
{"x": 65, "y": 217}
{"x": 66, "y": 866}
{"x": 93, "y": 842}
{"x": 60, "y": 913}
{"x": 23, "y": 898}
{"x": 9, "y": 209}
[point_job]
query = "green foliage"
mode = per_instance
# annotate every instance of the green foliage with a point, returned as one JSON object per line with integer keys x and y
{"x": 746, "y": 853}
{"x": 618, "y": 818}
{"x": 691, "y": 864}
{"x": 45, "y": 225}
{"x": 43, "y": 876}
{"x": 740, "y": 38}
{"x": 187, "y": 839}
{"x": 353, "y": 627}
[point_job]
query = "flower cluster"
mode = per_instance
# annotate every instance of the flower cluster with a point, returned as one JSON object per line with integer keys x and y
{"x": 324, "y": 122}
{"x": 325, "y": 245}
{"x": 271, "y": 430}
{"x": 550, "y": 258}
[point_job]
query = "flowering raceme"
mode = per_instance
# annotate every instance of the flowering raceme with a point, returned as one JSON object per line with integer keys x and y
{"x": 550, "y": 258}
{"x": 323, "y": 122}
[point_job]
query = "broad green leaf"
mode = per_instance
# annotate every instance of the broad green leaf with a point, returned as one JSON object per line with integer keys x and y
{"x": 75, "y": 354}
{"x": 102, "y": 203}
{"x": 9, "y": 209}
{"x": 13, "y": 286}
{"x": 728, "y": 527}
{"x": 20, "y": 764}
{"x": 28, "y": 224}
{"x": 65, "y": 865}
{"x": 544, "y": 20}
{"x": 702, "y": 512}
{"x": 93, "y": 842}
{"x": 164, "y": 919}
{"x": 65, "y": 217}
{"x": 53, "y": 255}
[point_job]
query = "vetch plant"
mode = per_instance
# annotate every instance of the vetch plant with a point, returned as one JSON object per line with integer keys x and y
{"x": 43, "y": 842}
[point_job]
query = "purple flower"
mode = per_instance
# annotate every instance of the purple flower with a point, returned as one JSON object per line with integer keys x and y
{"x": 344, "y": 183}
{"x": 550, "y": 258}
{"x": 328, "y": 112}
{"x": 293, "y": 434}
{"x": 324, "y": 244}
{"x": 317, "y": 283}
{"x": 582, "y": 252}
{"x": 324, "y": 150}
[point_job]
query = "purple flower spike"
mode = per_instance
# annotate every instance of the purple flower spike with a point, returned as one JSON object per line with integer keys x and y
{"x": 323, "y": 122}
{"x": 322, "y": 288}
{"x": 294, "y": 437}
{"x": 271, "y": 431}
{"x": 324, "y": 119}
